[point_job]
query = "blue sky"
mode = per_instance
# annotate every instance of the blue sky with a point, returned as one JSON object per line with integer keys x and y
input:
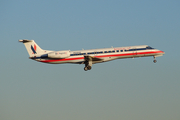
{"x": 122, "y": 89}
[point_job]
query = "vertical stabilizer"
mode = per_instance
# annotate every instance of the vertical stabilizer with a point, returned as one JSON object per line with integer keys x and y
{"x": 32, "y": 48}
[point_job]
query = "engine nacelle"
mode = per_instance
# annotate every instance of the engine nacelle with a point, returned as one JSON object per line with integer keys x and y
{"x": 59, "y": 54}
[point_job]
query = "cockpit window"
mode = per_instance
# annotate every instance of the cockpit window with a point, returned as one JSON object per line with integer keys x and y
{"x": 148, "y": 47}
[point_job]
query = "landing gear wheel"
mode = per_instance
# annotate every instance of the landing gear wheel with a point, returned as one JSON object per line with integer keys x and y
{"x": 85, "y": 68}
{"x": 154, "y": 61}
{"x": 89, "y": 67}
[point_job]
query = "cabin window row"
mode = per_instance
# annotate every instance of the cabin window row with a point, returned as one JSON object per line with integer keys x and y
{"x": 101, "y": 52}
{"x": 90, "y": 53}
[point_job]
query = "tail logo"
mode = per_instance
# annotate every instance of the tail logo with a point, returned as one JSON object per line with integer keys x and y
{"x": 33, "y": 49}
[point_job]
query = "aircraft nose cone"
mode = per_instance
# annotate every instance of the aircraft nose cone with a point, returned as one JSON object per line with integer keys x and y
{"x": 162, "y": 52}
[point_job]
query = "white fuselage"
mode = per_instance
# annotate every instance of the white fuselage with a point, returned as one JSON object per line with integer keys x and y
{"x": 104, "y": 55}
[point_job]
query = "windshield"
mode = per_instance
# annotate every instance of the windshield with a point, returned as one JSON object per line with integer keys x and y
{"x": 148, "y": 47}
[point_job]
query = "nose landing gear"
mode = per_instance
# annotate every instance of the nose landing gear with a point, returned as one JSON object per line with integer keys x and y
{"x": 154, "y": 60}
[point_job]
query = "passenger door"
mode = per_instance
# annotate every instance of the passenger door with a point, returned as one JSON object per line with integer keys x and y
{"x": 134, "y": 52}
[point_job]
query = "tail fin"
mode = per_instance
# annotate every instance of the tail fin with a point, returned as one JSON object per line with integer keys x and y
{"x": 32, "y": 48}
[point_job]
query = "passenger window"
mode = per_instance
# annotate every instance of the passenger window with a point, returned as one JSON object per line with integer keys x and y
{"x": 91, "y": 53}
{"x": 117, "y": 50}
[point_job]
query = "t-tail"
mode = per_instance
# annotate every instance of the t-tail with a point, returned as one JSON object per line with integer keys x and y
{"x": 32, "y": 48}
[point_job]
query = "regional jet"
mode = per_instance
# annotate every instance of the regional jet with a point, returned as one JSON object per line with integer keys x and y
{"x": 88, "y": 57}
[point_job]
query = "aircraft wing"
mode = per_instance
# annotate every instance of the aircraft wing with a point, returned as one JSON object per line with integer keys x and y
{"x": 92, "y": 58}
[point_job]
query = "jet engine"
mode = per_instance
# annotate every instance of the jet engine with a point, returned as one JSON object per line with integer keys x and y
{"x": 59, "y": 54}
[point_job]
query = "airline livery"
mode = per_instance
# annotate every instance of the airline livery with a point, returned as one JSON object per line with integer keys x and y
{"x": 89, "y": 57}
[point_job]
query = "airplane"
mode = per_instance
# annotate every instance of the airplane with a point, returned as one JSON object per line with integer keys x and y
{"x": 88, "y": 57}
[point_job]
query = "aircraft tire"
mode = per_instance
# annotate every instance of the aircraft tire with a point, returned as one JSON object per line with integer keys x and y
{"x": 85, "y": 68}
{"x": 89, "y": 67}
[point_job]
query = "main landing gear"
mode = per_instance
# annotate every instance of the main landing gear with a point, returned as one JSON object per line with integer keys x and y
{"x": 88, "y": 65}
{"x": 154, "y": 60}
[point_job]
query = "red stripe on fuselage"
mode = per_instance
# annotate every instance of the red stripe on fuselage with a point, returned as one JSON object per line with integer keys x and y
{"x": 63, "y": 59}
{"x": 103, "y": 56}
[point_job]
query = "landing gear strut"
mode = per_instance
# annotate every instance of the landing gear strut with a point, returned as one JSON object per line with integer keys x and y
{"x": 154, "y": 60}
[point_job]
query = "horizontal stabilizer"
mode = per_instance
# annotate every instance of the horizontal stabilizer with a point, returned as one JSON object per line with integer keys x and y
{"x": 24, "y": 41}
